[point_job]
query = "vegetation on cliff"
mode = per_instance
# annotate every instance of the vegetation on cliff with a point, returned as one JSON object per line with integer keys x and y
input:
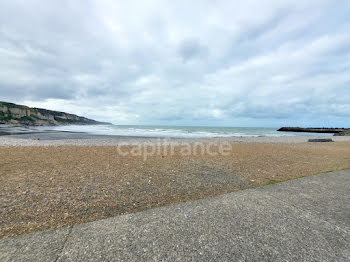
{"x": 23, "y": 115}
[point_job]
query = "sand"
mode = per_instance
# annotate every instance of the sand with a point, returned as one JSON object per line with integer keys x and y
{"x": 45, "y": 184}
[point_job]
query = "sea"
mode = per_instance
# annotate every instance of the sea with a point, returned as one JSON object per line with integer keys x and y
{"x": 178, "y": 131}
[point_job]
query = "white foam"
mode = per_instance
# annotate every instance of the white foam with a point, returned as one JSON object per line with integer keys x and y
{"x": 176, "y": 132}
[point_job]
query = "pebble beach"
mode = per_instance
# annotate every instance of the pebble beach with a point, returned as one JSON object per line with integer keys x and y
{"x": 54, "y": 180}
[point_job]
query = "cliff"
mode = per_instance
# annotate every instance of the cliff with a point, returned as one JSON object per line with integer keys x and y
{"x": 22, "y": 115}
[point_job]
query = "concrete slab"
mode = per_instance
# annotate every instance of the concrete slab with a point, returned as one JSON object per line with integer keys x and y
{"x": 326, "y": 196}
{"x": 290, "y": 221}
{"x": 244, "y": 226}
{"x": 39, "y": 246}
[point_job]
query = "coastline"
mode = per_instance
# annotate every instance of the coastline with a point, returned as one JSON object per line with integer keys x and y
{"x": 65, "y": 138}
{"x": 19, "y": 135}
{"x": 68, "y": 178}
{"x": 137, "y": 131}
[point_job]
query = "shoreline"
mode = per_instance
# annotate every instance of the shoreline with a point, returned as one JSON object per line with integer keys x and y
{"x": 84, "y": 139}
{"x": 78, "y": 132}
{"x": 28, "y": 136}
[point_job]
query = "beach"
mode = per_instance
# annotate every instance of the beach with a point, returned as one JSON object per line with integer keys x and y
{"x": 50, "y": 181}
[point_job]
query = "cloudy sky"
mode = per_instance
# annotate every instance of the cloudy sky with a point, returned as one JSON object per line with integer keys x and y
{"x": 200, "y": 62}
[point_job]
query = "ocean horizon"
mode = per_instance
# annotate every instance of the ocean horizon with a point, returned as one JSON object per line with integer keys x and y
{"x": 177, "y": 131}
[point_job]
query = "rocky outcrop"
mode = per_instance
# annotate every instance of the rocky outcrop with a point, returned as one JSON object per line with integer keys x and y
{"x": 320, "y": 140}
{"x": 18, "y": 114}
{"x": 343, "y": 133}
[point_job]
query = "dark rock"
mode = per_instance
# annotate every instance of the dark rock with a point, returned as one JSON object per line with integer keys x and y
{"x": 320, "y": 140}
{"x": 344, "y": 133}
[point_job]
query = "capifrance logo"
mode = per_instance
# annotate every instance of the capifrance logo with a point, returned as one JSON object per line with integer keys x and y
{"x": 164, "y": 147}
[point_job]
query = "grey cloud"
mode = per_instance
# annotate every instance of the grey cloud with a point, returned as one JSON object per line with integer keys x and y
{"x": 210, "y": 63}
{"x": 190, "y": 49}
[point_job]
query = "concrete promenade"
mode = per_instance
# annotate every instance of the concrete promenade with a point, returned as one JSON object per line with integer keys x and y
{"x": 307, "y": 219}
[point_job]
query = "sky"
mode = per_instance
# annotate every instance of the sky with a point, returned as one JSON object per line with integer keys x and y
{"x": 202, "y": 62}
